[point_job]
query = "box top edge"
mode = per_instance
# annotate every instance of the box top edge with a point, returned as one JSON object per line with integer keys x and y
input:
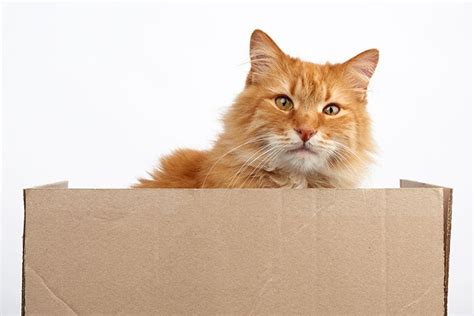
{"x": 235, "y": 190}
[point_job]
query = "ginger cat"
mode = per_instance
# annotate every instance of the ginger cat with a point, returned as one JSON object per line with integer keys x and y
{"x": 296, "y": 124}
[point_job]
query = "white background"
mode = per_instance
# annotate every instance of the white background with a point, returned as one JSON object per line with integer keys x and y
{"x": 96, "y": 93}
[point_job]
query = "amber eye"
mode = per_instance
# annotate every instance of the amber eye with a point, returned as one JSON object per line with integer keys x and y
{"x": 331, "y": 109}
{"x": 284, "y": 103}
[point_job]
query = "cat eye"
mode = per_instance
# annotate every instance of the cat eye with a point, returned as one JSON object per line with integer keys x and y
{"x": 284, "y": 103}
{"x": 331, "y": 109}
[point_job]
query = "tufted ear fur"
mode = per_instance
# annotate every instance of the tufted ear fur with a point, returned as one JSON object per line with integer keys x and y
{"x": 361, "y": 68}
{"x": 264, "y": 54}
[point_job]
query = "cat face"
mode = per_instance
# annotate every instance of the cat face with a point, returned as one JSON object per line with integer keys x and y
{"x": 305, "y": 117}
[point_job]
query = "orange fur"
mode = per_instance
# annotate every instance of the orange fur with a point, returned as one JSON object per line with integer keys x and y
{"x": 260, "y": 146}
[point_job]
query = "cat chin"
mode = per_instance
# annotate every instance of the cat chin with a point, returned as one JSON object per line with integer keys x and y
{"x": 303, "y": 163}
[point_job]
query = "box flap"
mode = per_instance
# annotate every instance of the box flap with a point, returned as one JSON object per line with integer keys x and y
{"x": 54, "y": 185}
{"x": 447, "y": 210}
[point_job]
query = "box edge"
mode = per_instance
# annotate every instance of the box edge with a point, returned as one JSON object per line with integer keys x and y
{"x": 23, "y": 301}
{"x": 447, "y": 194}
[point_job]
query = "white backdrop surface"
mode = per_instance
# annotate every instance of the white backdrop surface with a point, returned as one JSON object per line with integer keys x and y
{"x": 96, "y": 93}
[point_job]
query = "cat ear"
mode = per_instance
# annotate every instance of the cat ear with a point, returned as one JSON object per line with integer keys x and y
{"x": 264, "y": 53}
{"x": 361, "y": 68}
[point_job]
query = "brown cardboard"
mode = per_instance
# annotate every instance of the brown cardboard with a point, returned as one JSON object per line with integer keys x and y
{"x": 447, "y": 210}
{"x": 250, "y": 251}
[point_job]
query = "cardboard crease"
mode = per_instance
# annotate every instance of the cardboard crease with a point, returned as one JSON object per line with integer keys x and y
{"x": 419, "y": 298}
{"x": 54, "y": 296}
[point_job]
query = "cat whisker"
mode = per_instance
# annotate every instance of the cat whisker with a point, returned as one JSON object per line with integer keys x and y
{"x": 250, "y": 141}
{"x": 338, "y": 147}
{"x": 343, "y": 161}
{"x": 270, "y": 161}
{"x": 273, "y": 154}
{"x": 348, "y": 150}
{"x": 249, "y": 161}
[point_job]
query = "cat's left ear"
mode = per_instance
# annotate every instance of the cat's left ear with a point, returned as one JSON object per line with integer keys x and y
{"x": 361, "y": 68}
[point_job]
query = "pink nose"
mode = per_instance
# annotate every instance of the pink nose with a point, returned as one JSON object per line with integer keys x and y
{"x": 305, "y": 133}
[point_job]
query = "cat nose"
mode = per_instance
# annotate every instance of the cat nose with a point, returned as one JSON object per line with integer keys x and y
{"x": 305, "y": 133}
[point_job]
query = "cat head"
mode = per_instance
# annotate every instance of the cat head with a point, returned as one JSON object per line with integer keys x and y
{"x": 303, "y": 117}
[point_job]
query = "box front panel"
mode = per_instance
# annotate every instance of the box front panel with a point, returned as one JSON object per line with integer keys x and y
{"x": 234, "y": 251}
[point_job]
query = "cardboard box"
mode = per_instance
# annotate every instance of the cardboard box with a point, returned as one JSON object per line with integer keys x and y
{"x": 250, "y": 251}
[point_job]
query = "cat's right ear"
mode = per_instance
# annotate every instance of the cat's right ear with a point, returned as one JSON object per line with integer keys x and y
{"x": 264, "y": 54}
